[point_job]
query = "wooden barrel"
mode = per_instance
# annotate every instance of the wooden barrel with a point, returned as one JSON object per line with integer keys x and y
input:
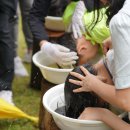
{"x": 46, "y": 121}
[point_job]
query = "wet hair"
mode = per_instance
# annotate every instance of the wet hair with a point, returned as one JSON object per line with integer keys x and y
{"x": 75, "y": 103}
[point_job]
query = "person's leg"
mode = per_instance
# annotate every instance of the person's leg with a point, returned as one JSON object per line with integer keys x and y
{"x": 6, "y": 57}
{"x": 19, "y": 68}
{"x": 14, "y": 33}
{"x": 25, "y": 6}
{"x": 36, "y": 75}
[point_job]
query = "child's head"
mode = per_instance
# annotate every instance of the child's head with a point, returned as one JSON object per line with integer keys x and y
{"x": 77, "y": 102}
{"x": 85, "y": 50}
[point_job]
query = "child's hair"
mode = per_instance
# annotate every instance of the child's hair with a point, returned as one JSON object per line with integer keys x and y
{"x": 75, "y": 103}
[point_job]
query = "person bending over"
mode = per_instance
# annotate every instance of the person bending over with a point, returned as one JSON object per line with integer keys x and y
{"x": 95, "y": 32}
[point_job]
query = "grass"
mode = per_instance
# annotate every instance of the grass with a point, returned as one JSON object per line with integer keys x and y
{"x": 25, "y": 98}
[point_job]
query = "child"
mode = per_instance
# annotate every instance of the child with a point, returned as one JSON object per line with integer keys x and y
{"x": 96, "y": 31}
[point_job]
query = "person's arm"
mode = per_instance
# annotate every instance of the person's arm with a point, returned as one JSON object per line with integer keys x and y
{"x": 57, "y": 53}
{"x": 89, "y": 82}
{"x": 107, "y": 45}
{"x": 114, "y": 121}
{"x": 106, "y": 116}
{"x": 119, "y": 98}
{"x": 38, "y": 13}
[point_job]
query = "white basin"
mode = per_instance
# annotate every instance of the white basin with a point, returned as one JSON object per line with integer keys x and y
{"x": 55, "y": 96}
{"x": 53, "y": 75}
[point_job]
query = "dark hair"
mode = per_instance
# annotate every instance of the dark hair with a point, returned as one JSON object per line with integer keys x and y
{"x": 113, "y": 7}
{"x": 68, "y": 41}
{"x": 93, "y": 5}
{"x": 57, "y": 7}
{"x": 75, "y": 103}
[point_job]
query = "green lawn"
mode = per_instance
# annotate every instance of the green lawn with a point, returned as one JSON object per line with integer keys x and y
{"x": 25, "y": 98}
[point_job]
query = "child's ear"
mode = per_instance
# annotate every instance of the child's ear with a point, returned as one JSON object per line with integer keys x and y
{"x": 82, "y": 49}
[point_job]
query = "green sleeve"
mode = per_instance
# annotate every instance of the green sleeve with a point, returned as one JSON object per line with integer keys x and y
{"x": 67, "y": 16}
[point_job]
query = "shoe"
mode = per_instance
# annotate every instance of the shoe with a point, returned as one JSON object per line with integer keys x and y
{"x": 28, "y": 57}
{"x": 7, "y": 96}
{"x": 19, "y": 68}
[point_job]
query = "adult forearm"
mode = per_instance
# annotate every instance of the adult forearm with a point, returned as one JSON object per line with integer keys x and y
{"x": 109, "y": 94}
{"x": 114, "y": 121}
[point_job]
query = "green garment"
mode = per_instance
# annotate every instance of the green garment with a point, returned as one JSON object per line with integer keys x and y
{"x": 99, "y": 32}
{"x": 96, "y": 34}
{"x": 67, "y": 16}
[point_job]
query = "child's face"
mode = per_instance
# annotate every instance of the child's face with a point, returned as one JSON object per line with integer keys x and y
{"x": 86, "y": 50}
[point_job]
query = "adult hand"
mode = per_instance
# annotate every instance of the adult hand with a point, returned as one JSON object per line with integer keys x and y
{"x": 86, "y": 82}
{"x": 77, "y": 26}
{"x": 107, "y": 45}
{"x": 60, "y": 54}
{"x": 90, "y": 113}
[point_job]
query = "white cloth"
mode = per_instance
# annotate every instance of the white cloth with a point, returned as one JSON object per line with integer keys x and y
{"x": 120, "y": 34}
{"x": 126, "y": 7}
{"x": 111, "y": 67}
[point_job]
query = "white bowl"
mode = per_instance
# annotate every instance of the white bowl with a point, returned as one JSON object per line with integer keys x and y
{"x": 55, "y": 96}
{"x": 53, "y": 75}
{"x": 54, "y": 23}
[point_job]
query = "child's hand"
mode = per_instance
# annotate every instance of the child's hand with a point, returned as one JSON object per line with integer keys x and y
{"x": 91, "y": 113}
{"x": 87, "y": 82}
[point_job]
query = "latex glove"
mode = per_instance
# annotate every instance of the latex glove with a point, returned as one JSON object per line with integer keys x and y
{"x": 77, "y": 24}
{"x": 60, "y": 54}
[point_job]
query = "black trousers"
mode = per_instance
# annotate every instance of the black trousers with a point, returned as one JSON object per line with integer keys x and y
{"x": 6, "y": 51}
{"x": 36, "y": 75}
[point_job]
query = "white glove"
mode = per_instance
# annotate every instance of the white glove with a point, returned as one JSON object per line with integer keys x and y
{"x": 60, "y": 54}
{"x": 77, "y": 24}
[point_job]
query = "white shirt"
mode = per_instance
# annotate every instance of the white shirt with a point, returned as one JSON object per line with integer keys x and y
{"x": 126, "y": 7}
{"x": 120, "y": 34}
{"x": 110, "y": 62}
